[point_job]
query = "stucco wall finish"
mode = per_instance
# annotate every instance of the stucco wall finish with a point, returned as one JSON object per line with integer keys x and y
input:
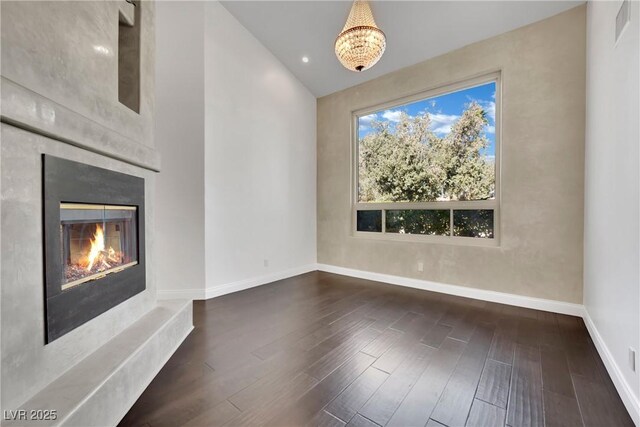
{"x": 60, "y": 97}
{"x": 68, "y": 52}
{"x": 27, "y": 363}
{"x": 541, "y": 214}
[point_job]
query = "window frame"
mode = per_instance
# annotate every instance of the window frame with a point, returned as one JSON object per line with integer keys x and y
{"x": 451, "y": 205}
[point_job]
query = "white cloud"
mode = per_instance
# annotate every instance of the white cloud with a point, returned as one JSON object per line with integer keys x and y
{"x": 392, "y": 115}
{"x": 364, "y": 122}
{"x": 490, "y": 129}
{"x": 441, "y": 123}
{"x": 490, "y": 108}
{"x": 368, "y": 119}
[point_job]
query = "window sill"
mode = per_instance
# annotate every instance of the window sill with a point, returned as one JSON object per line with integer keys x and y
{"x": 427, "y": 239}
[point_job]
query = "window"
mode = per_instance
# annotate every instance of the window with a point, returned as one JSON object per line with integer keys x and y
{"x": 427, "y": 166}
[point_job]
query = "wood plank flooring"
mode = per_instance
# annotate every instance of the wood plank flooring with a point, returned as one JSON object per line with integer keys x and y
{"x": 327, "y": 350}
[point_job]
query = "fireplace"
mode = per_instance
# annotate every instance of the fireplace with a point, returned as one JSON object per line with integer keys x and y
{"x": 94, "y": 242}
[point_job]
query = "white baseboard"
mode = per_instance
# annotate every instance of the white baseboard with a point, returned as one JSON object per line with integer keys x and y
{"x": 630, "y": 400}
{"x": 240, "y": 285}
{"x": 463, "y": 291}
{"x": 216, "y": 291}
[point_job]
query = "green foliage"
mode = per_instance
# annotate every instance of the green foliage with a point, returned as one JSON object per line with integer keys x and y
{"x": 409, "y": 163}
{"x": 431, "y": 222}
{"x": 473, "y": 223}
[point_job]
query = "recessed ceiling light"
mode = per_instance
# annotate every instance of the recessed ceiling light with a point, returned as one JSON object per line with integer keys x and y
{"x": 305, "y": 59}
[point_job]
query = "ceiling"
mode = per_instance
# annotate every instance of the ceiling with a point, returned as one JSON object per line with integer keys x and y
{"x": 416, "y": 31}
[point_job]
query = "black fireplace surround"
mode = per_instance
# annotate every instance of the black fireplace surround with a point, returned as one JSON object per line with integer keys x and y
{"x": 101, "y": 199}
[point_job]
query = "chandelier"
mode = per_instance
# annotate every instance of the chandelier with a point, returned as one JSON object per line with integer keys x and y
{"x": 361, "y": 43}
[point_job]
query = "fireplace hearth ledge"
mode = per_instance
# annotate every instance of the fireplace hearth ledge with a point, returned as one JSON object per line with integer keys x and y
{"x": 100, "y": 389}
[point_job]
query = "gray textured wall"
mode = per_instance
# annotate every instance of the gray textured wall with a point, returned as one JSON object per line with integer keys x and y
{"x": 60, "y": 60}
{"x": 543, "y": 110}
{"x": 68, "y": 52}
{"x": 27, "y": 364}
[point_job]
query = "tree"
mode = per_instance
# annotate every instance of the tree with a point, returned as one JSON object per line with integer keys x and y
{"x": 407, "y": 162}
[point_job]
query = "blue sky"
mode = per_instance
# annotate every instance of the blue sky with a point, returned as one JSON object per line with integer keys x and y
{"x": 444, "y": 111}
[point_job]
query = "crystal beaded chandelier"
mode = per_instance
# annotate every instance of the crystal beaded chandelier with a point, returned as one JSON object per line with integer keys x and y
{"x": 361, "y": 43}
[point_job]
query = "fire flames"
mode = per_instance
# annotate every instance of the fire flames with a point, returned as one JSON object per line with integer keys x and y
{"x": 93, "y": 258}
{"x": 98, "y": 256}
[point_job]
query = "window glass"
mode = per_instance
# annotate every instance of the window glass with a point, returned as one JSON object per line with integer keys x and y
{"x": 473, "y": 223}
{"x": 369, "y": 221}
{"x": 430, "y": 222}
{"x": 437, "y": 149}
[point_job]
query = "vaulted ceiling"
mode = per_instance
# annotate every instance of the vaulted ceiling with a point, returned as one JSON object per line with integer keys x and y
{"x": 415, "y": 30}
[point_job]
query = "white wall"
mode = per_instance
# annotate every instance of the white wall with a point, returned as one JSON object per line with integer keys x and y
{"x": 237, "y": 135}
{"x": 611, "y": 232}
{"x": 260, "y": 156}
{"x": 179, "y": 137}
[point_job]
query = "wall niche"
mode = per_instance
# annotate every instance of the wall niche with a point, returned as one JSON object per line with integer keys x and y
{"x": 129, "y": 23}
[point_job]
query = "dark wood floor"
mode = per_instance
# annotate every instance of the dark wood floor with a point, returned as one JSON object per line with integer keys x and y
{"x": 328, "y": 350}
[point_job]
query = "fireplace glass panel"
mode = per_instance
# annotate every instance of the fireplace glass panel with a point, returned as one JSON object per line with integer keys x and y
{"x": 96, "y": 240}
